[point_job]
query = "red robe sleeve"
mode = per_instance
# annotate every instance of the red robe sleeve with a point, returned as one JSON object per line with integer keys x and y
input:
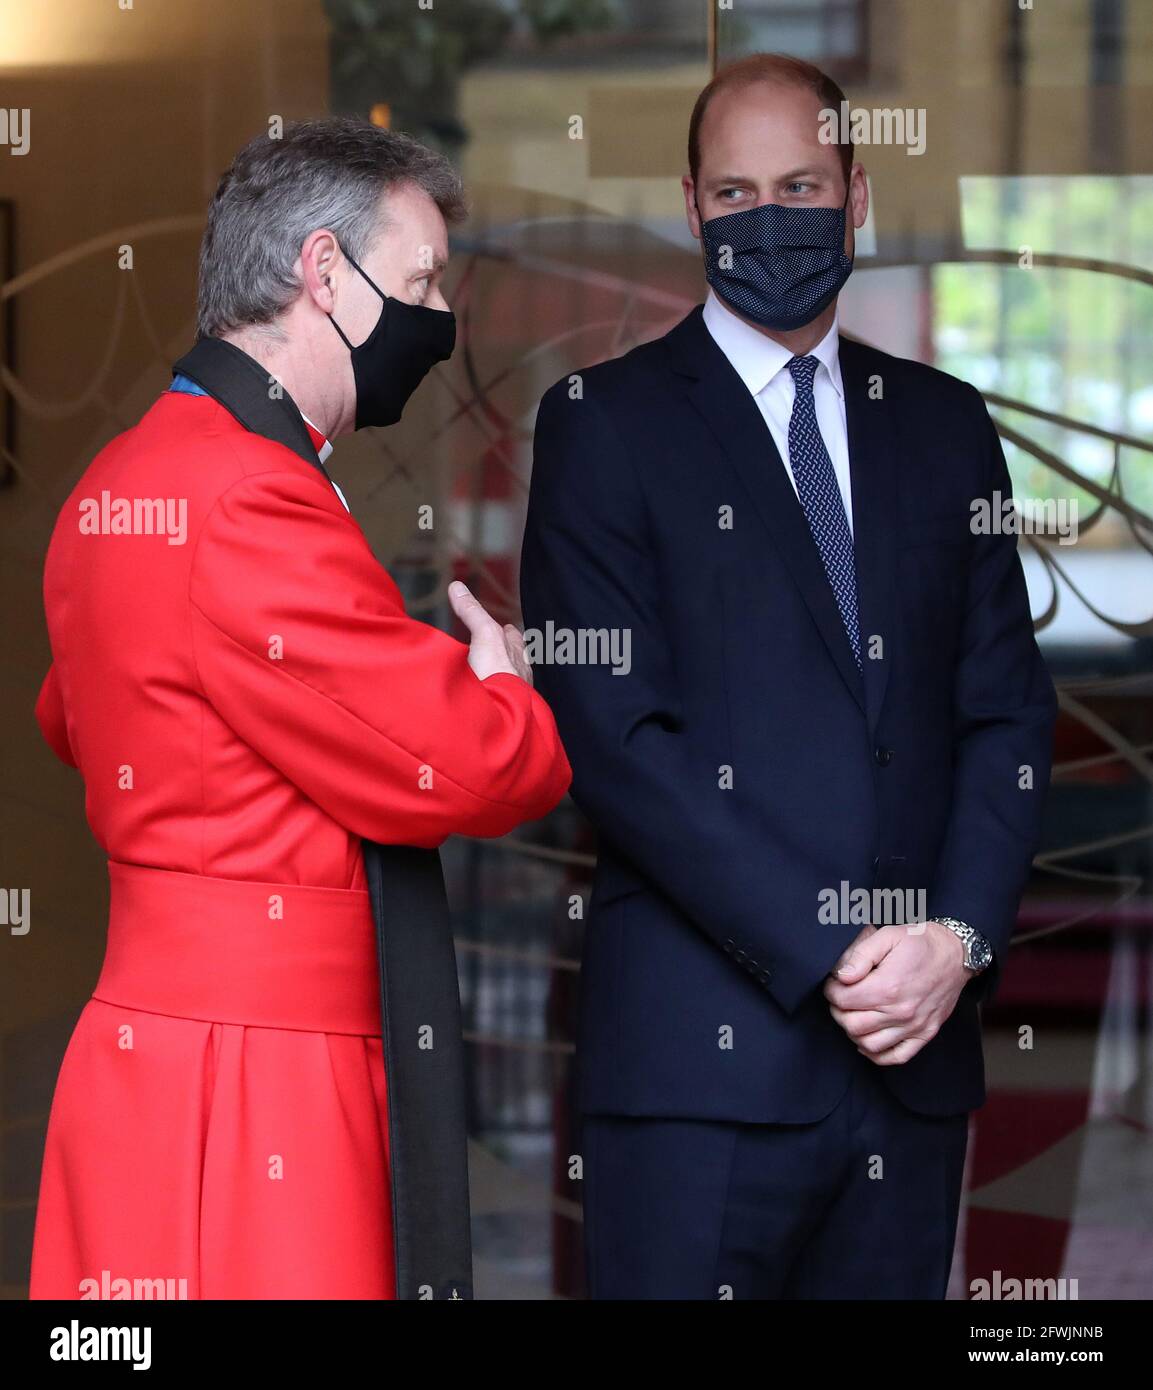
{"x": 50, "y": 717}
{"x": 303, "y": 648}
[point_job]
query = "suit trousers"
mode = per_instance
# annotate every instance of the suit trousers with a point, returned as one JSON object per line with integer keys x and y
{"x": 861, "y": 1204}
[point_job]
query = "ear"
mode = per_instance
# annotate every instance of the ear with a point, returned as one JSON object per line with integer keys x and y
{"x": 858, "y": 195}
{"x": 320, "y": 258}
{"x": 692, "y": 212}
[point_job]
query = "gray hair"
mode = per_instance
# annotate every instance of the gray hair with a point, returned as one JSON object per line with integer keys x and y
{"x": 322, "y": 173}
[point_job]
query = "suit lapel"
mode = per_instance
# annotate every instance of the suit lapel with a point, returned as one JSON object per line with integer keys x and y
{"x": 734, "y": 418}
{"x": 873, "y": 472}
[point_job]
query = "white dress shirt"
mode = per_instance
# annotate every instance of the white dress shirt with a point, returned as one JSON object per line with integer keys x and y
{"x": 762, "y": 365}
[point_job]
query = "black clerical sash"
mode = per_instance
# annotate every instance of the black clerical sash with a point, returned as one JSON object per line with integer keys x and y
{"x": 419, "y": 991}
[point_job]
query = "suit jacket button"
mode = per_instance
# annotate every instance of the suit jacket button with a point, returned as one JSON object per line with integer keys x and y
{"x": 764, "y": 976}
{"x": 884, "y": 756}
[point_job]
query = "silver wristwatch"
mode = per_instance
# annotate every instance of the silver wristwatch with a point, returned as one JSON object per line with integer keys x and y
{"x": 978, "y": 952}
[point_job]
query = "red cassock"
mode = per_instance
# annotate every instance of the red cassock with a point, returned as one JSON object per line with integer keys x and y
{"x": 236, "y": 678}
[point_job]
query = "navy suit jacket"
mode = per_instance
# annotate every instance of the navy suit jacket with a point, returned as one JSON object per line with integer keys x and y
{"x": 659, "y": 505}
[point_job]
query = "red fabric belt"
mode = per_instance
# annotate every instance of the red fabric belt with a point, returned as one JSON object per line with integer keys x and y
{"x": 266, "y": 955}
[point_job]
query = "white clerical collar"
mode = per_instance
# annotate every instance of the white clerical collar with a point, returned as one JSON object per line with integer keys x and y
{"x": 757, "y": 358}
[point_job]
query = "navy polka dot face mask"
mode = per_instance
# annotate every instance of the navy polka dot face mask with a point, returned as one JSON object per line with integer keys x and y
{"x": 779, "y": 266}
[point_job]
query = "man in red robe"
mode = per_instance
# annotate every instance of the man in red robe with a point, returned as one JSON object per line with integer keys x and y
{"x": 262, "y": 1099}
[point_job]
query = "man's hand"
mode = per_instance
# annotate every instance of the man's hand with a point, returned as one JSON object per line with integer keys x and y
{"x": 492, "y": 648}
{"x": 895, "y": 986}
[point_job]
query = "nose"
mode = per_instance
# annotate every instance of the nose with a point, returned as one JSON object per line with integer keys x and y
{"x": 436, "y": 300}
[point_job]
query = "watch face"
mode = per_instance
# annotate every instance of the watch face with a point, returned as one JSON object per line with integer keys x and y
{"x": 980, "y": 952}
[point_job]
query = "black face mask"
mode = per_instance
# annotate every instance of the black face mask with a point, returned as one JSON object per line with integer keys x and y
{"x": 779, "y": 266}
{"x": 408, "y": 340}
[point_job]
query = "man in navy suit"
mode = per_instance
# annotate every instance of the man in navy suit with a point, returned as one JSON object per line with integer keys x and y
{"x": 833, "y": 706}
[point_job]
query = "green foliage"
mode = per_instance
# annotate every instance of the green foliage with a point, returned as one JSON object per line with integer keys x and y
{"x": 554, "y": 19}
{"x": 429, "y": 44}
{"x": 1077, "y": 342}
{"x": 454, "y": 34}
{"x": 413, "y": 58}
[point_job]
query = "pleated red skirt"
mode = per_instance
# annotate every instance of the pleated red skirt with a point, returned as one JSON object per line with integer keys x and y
{"x": 219, "y": 1126}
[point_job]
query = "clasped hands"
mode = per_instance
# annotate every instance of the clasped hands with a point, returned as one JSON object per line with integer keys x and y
{"x": 894, "y": 987}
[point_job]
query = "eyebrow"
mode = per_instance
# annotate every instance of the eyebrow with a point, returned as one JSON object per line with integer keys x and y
{"x": 808, "y": 172}
{"x": 437, "y": 265}
{"x": 723, "y": 180}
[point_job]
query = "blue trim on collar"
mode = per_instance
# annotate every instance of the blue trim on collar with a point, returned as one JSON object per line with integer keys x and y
{"x": 180, "y": 382}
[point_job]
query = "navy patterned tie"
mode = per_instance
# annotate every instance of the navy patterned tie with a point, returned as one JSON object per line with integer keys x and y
{"x": 821, "y": 498}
